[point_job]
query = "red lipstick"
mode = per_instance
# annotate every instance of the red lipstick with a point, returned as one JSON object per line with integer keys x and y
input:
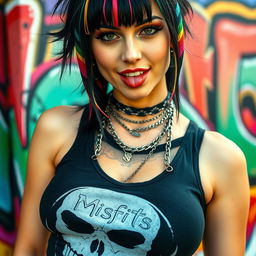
{"x": 134, "y": 77}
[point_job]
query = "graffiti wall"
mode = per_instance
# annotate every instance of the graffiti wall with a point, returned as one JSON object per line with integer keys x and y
{"x": 219, "y": 81}
{"x": 218, "y": 88}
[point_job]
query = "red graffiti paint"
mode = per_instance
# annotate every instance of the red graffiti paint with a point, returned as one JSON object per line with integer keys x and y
{"x": 233, "y": 41}
{"x": 20, "y": 19}
{"x": 3, "y": 100}
{"x": 199, "y": 65}
{"x": 50, "y": 20}
{"x": 249, "y": 120}
{"x": 252, "y": 216}
{"x": 2, "y": 55}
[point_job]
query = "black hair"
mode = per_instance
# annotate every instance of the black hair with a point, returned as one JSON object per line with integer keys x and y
{"x": 74, "y": 36}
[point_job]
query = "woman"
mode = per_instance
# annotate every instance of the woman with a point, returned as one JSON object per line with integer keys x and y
{"x": 128, "y": 174}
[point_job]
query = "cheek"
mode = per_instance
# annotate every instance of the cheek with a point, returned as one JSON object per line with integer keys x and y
{"x": 103, "y": 60}
{"x": 104, "y": 57}
{"x": 160, "y": 54}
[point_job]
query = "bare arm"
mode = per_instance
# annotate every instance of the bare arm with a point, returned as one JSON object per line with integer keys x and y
{"x": 32, "y": 236}
{"x": 227, "y": 210}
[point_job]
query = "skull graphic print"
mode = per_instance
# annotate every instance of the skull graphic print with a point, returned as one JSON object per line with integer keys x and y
{"x": 96, "y": 221}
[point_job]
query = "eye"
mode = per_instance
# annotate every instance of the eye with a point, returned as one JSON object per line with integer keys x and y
{"x": 107, "y": 36}
{"x": 150, "y": 30}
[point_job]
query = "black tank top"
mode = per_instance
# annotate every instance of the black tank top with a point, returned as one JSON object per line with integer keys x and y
{"x": 90, "y": 213}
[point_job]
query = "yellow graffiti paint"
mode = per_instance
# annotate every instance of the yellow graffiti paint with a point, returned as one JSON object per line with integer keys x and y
{"x": 252, "y": 213}
{"x": 5, "y": 250}
{"x": 253, "y": 191}
{"x": 231, "y": 8}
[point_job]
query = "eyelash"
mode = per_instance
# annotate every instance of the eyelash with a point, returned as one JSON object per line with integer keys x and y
{"x": 156, "y": 28}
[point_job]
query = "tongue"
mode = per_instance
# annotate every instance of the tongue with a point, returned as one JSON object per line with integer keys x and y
{"x": 134, "y": 80}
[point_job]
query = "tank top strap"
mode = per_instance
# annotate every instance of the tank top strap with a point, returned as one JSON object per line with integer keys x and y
{"x": 192, "y": 144}
{"x": 82, "y": 121}
{"x": 81, "y": 131}
{"x": 193, "y": 136}
{"x": 77, "y": 148}
{"x": 199, "y": 134}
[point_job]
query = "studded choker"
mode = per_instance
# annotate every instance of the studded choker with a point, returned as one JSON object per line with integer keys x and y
{"x": 139, "y": 111}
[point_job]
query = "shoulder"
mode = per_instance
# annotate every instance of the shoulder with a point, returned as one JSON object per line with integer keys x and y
{"x": 54, "y": 118}
{"x": 216, "y": 150}
{"x": 222, "y": 159}
{"x": 55, "y": 128}
{"x": 222, "y": 151}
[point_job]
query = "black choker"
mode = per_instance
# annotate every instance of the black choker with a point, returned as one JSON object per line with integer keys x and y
{"x": 139, "y": 111}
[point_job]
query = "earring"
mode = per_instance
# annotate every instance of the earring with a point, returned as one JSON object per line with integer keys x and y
{"x": 172, "y": 56}
{"x": 175, "y": 74}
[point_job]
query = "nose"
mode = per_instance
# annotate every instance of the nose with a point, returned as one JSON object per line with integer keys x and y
{"x": 131, "y": 51}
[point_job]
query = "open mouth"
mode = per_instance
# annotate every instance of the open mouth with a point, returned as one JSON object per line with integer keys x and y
{"x": 134, "y": 78}
{"x": 138, "y": 73}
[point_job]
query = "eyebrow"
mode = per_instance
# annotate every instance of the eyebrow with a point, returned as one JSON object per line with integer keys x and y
{"x": 137, "y": 24}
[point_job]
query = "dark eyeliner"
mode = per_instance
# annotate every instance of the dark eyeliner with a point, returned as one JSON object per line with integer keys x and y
{"x": 154, "y": 27}
{"x": 102, "y": 34}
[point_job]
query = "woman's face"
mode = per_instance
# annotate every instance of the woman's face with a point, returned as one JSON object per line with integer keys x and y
{"x": 135, "y": 59}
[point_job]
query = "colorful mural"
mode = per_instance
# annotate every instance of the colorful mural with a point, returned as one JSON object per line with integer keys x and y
{"x": 219, "y": 82}
{"x": 218, "y": 88}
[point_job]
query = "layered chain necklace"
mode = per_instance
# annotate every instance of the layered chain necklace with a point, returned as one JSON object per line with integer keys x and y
{"x": 137, "y": 132}
{"x": 163, "y": 115}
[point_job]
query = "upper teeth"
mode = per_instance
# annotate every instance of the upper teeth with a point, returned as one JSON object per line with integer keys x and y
{"x": 134, "y": 73}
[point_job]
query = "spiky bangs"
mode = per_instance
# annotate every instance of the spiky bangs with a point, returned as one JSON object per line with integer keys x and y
{"x": 115, "y": 13}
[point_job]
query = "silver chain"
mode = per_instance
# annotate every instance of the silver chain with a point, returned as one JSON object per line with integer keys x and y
{"x": 136, "y": 132}
{"x": 168, "y": 145}
{"x": 168, "y": 168}
{"x": 128, "y": 151}
{"x": 127, "y": 148}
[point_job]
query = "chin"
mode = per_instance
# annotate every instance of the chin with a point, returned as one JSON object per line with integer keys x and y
{"x": 138, "y": 98}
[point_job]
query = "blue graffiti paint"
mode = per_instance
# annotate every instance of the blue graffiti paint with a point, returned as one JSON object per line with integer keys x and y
{"x": 5, "y": 188}
{"x": 48, "y": 6}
